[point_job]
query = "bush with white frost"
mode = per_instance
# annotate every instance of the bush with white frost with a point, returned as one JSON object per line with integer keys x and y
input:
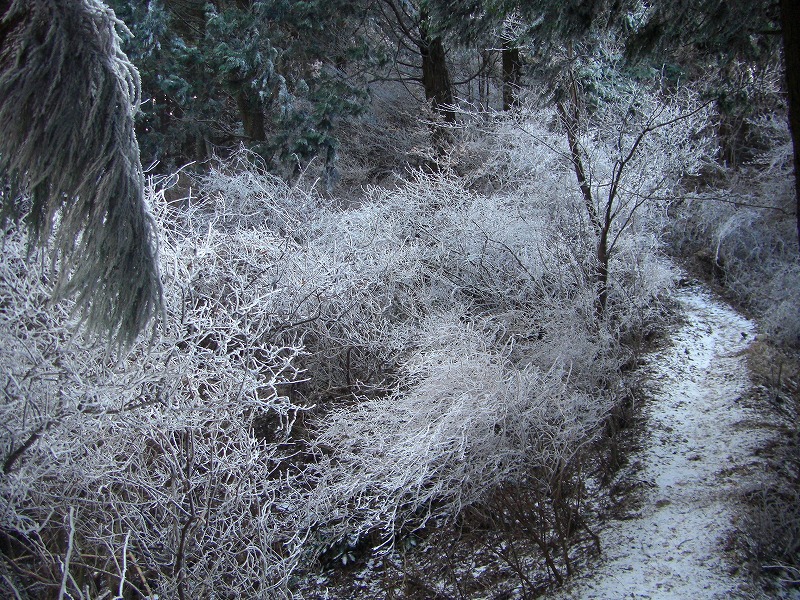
{"x": 143, "y": 473}
{"x": 746, "y": 231}
{"x": 409, "y": 355}
{"x": 463, "y": 420}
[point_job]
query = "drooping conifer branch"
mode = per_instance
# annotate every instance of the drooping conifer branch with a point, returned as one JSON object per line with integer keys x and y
{"x": 68, "y": 95}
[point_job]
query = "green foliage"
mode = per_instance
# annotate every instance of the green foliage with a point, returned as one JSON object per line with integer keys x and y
{"x": 545, "y": 20}
{"x": 272, "y": 75}
{"x": 179, "y": 105}
{"x": 738, "y": 29}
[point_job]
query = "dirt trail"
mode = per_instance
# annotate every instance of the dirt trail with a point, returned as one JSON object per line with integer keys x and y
{"x": 696, "y": 459}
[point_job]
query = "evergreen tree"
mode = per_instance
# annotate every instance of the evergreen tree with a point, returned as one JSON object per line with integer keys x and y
{"x": 272, "y": 75}
{"x": 543, "y": 28}
{"x": 180, "y": 112}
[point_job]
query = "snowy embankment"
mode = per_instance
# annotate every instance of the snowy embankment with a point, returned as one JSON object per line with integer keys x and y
{"x": 696, "y": 461}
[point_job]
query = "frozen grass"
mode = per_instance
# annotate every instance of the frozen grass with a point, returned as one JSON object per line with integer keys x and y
{"x": 746, "y": 232}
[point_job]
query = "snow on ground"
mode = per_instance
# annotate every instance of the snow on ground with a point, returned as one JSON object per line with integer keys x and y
{"x": 696, "y": 461}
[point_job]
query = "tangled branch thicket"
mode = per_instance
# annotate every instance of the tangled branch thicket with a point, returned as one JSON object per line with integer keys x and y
{"x": 323, "y": 374}
{"x": 143, "y": 473}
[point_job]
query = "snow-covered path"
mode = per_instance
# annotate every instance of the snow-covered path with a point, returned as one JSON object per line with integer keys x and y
{"x": 696, "y": 459}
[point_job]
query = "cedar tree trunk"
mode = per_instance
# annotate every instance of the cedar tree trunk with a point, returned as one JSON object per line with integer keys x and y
{"x": 790, "y": 24}
{"x": 252, "y": 114}
{"x": 437, "y": 84}
{"x": 512, "y": 73}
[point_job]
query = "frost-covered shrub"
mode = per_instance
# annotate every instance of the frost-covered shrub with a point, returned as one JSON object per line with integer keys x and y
{"x": 462, "y": 421}
{"x": 142, "y": 472}
{"x": 356, "y": 281}
{"x": 448, "y": 338}
{"x": 497, "y": 323}
{"x": 240, "y": 193}
{"x": 432, "y": 246}
{"x": 383, "y": 141}
{"x": 747, "y": 233}
{"x": 365, "y": 288}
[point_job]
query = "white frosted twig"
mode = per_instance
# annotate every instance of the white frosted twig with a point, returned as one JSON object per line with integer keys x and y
{"x": 124, "y": 565}
{"x": 65, "y": 564}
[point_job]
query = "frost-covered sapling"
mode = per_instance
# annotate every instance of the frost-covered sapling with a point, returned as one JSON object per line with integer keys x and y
{"x": 628, "y": 154}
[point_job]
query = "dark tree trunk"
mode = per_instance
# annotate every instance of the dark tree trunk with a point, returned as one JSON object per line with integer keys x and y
{"x": 438, "y": 91}
{"x": 570, "y": 119}
{"x": 512, "y": 74}
{"x": 790, "y": 24}
{"x": 188, "y": 18}
{"x": 484, "y": 81}
{"x": 601, "y": 275}
{"x": 437, "y": 84}
{"x": 251, "y": 111}
{"x": 436, "y": 78}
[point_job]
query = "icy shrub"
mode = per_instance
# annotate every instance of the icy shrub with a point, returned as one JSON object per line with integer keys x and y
{"x": 142, "y": 473}
{"x": 437, "y": 343}
{"x": 383, "y": 141}
{"x": 462, "y": 421}
{"x": 372, "y": 290}
{"x": 241, "y": 193}
{"x": 503, "y": 368}
{"x": 634, "y": 149}
{"x": 746, "y": 233}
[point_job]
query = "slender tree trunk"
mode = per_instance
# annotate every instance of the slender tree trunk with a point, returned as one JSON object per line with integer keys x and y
{"x": 601, "y": 274}
{"x": 570, "y": 119}
{"x": 485, "y": 82}
{"x": 790, "y": 24}
{"x": 512, "y": 73}
{"x": 570, "y": 122}
{"x": 437, "y": 84}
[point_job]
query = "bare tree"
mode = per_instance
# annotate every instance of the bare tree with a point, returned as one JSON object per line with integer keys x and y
{"x": 613, "y": 192}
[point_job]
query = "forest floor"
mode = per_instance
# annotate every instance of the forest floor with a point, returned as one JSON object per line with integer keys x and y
{"x": 696, "y": 463}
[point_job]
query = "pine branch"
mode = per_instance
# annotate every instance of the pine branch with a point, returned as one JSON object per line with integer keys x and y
{"x": 67, "y": 99}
